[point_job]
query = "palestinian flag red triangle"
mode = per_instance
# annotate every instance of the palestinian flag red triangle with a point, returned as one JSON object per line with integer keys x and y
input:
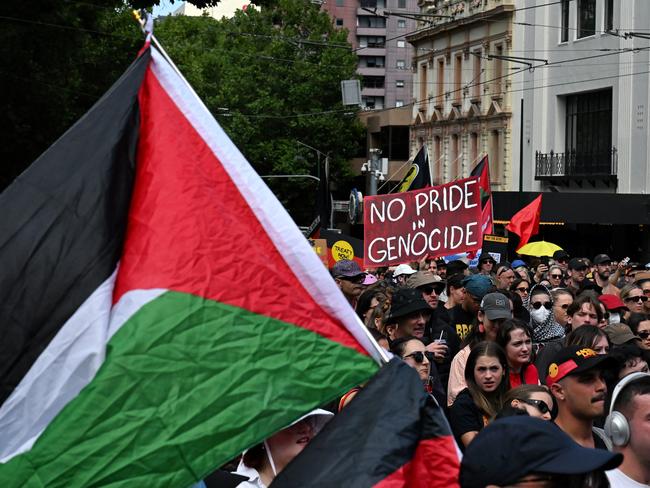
{"x": 166, "y": 311}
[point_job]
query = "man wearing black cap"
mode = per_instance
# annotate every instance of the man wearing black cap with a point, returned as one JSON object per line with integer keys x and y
{"x": 486, "y": 264}
{"x": 575, "y": 378}
{"x": 577, "y": 273}
{"x": 561, "y": 258}
{"x": 530, "y": 452}
{"x": 349, "y": 278}
{"x": 601, "y": 275}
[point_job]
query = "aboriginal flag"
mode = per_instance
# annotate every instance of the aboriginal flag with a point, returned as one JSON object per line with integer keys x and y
{"x": 418, "y": 175}
{"x": 391, "y": 435}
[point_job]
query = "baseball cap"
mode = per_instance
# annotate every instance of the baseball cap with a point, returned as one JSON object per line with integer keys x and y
{"x": 403, "y": 269}
{"x": 406, "y": 301}
{"x": 456, "y": 266}
{"x": 422, "y": 278}
{"x": 496, "y": 306}
{"x": 518, "y": 262}
{"x": 602, "y": 258}
{"x": 477, "y": 285}
{"x": 347, "y": 268}
{"x": 371, "y": 279}
{"x": 512, "y": 447}
{"x": 561, "y": 254}
{"x": 641, "y": 277}
{"x": 611, "y": 302}
{"x": 574, "y": 360}
{"x": 620, "y": 334}
{"x": 577, "y": 264}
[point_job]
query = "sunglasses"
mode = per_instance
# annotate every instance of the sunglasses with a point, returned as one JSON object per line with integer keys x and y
{"x": 546, "y": 305}
{"x": 606, "y": 316}
{"x": 354, "y": 279}
{"x": 636, "y": 299}
{"x": 644, "y": 334}
{"x": 523, "y": 289}
{"x": 646, "y": 292}
{"x": 430, "y": 289}
{"x": 418, "y": 356}
{"x": 565, "y": 306}
{"x": 556, "y": 276}
{"x": 538, "y": 404}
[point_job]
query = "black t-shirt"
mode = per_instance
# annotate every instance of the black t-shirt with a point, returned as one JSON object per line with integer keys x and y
{"x": 435, "y": 328}
{"x": 461, "y": 321}
{"x": 465, "y": 416}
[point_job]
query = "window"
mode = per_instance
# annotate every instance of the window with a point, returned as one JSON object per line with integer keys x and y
{"x": 339, "y": 22}
{"x": 586, "y": 18}
{"x": 371, "y": 61}
{"x": 399, "y": 83}
{"x": 609, "y": 15}
{"x": 440, "y": 83}
{"x": 495, "y": 150}
{"x": 401, "y": 3}
{"x": 473, "y": 147}
{"x": 423, "y": 84}
{"x": 369, "y": 21}
{"x": 564, "y": 36}
{"x": 401, "y": 43}
{"x": 372, "y": 41}
{"x": 454, "y": 165}
{"x": 476, "y": 78}
{"x": 588, "y": 132}
{"x": 339, "y": 3}
{"x": 498, "y": 72}
{"x": 368, "y": 3}
{"x": 437, "y": 156}
{"x": 372, "y": 82}
{"x": 401, "y": 64}
{"x": 401, "y": 24}
{"x": 399, "y": 103}
{"x": 458, "y": 78}
{"x": 372, "y": 102}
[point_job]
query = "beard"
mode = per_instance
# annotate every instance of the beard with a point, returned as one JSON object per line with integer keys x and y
{"x": 604, "y": 276}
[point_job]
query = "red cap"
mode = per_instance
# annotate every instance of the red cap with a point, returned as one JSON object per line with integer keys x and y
{"x": 611, "y": 302}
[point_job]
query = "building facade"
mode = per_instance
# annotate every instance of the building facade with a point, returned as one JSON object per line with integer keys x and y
{"x": 377, "y": 32}
{"x": 463, "y": 107}
{"x": 585, "y": 115}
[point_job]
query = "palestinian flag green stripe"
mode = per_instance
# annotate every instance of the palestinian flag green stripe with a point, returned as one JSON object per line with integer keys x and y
{"x": 235, "y": 355}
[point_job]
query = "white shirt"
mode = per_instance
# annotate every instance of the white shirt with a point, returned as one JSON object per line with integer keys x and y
{"x": 618, "y": 479}
{"x": 254, "y": 480}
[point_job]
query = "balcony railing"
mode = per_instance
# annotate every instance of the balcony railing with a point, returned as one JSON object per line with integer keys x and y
{"x": 576, "y": 165}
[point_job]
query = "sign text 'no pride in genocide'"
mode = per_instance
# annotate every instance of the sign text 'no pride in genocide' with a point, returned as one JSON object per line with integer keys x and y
{"x": 438, "y": 221}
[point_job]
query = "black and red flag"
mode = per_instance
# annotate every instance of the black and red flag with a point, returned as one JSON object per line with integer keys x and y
{"x": 392, "y": 434}
{"x": 482, "y": 172}
{"x": 418, "y": 175}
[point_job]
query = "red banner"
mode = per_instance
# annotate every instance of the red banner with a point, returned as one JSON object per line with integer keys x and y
{"x": 437, "y": 221}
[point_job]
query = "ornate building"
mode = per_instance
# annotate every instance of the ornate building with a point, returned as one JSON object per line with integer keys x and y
{"x": 461, "y": 87}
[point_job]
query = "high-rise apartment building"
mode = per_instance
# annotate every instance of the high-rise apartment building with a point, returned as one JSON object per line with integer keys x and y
{"x": 377, "y": 31}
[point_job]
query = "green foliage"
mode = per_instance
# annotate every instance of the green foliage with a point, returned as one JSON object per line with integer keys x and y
{"x": 256, "y": 72}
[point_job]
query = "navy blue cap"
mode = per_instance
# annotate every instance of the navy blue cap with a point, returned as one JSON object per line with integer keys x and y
{"x": 477, "y": 285}
{"x": 512, "y": 447}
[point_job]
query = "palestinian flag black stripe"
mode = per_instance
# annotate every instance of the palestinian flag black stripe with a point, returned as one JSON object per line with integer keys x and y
{"x": 63, "y": 225}
{"x": 391, "y": 434}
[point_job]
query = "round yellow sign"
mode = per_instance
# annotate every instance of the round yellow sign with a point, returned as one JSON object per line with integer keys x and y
{"x": 553, "y": 370}
{"x": 342, "y": 250}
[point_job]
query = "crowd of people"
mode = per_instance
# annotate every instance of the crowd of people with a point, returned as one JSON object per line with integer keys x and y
{"x": 540, "y": 366}
{"x": 550, "y": 339}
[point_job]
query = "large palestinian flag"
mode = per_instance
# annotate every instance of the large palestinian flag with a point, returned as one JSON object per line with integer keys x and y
{"x": 160, "y": 310}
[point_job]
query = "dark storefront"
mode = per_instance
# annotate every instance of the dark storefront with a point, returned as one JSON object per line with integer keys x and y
{"x": 586, "y": 224}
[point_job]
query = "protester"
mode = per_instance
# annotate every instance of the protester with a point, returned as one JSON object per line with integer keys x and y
{"x": 349, "y": 278}
{"x": 628, "y": 425}
{"x": 494, "y": 309}
{"x": 561, "y": 258}
{"x": 575, "y": 379}
{"x": 534, "y": 399}
{"x": 640, "y": 326}
{"x": 504, "y": 276}
{"x": 486, "y": 376}
{"x": 521, "y": 287}
{"x": 555, "y": 276}
{"x": 584, "y": 310}
{"x": 457, "y": 267}
{"x": 629, "y": 359}
{"x": 486, "y": 264}
{"x": 562, "y": 299}
{"x": 372, "y": 297}
{"x": 589, "y": 336}
{"x": 642, "y": 280}
{"x": 401, "y": 274}
{"x": 409, "y": 315}
{"x": 620, "y": 334}
{"x": 530, "y": 452}
{"x": 441, "y": 266}
{"x": 519, "y": 311}
{"x": 615, "y": 307}
{"x": 521, "y": 269}
{"x": 514, "y": 337}
{"x": 633, "y": 298}
{"x": 576, "y": 275}
{"x": 463, "y": 316}
{"x": 455, "y": 295}
{"x": 413, "y": 351}
{"x": 542, "y": 321}
{"x": 602, "y": 273}
{"x": 261, "y": 463}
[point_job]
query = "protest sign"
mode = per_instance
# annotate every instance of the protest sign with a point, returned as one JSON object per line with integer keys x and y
{"x": 439, "y": 220}
{"x": 496, "y": 246}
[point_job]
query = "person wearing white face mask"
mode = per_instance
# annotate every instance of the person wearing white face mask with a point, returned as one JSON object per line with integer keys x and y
{"x": 614, "y": 306}
{"x": 542, "y": 321}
